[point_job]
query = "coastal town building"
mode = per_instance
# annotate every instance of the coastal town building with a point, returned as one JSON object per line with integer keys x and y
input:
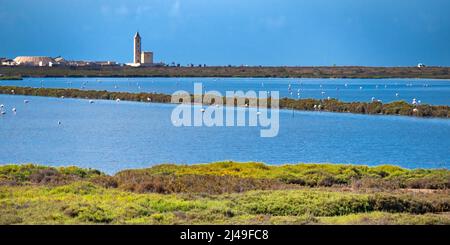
{"x": 82, "y": 63}
{"x": 34, "y": 61}
{"x": 147, "y": 58}
{"x": 50, "y": 62}
{"x": 7, "y": 62}
{"x": 140, "y": 58}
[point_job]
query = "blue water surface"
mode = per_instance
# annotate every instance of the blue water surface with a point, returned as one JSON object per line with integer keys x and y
{"x": 112, "y": 136}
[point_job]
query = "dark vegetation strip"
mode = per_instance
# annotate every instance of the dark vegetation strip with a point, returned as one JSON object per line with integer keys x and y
{"x": 329, "y": 105}
{"x": 235, "y": 71}
{"x": 10, "y": 78}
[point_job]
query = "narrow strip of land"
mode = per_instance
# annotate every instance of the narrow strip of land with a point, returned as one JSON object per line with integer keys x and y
{"x": 328, "y": 105}
{"x": 231, "y": 71}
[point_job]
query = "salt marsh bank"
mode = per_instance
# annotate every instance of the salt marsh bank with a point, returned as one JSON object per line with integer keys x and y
{"x": 427, "y": 91}
{"x": 225, "y": 193}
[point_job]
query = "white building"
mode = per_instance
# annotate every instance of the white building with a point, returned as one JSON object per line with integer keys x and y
{"x": 140, "y": 58}
{"x": 34, "y": 61}
{"x": 147, "y": 57}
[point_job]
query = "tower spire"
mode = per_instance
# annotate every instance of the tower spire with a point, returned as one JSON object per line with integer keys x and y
{"x": 137, "y": 48}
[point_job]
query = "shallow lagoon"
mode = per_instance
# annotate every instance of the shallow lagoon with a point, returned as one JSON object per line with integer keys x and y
{"x": 111, "y": 136}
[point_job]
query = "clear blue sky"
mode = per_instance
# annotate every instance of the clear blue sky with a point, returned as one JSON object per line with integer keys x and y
{"x": 221, "y": 32}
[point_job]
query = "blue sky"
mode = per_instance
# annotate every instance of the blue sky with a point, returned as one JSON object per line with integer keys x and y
{"x": 221, "y": 32}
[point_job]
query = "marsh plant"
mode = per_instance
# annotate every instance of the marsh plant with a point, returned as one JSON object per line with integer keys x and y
{"x": 191, "y": 112}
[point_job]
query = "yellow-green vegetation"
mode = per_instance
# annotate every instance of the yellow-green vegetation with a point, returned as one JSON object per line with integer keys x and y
{"x": 385, "y": 176}
{"x": 224, "y": 193}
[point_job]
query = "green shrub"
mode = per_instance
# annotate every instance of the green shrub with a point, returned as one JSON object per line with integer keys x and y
{"x": 317, "y": 203}
{"x": 22, "y": 174}
{"x": 77, "y": 188}
{"x": 143, "y": 182}
{"x": 89, "y": 213}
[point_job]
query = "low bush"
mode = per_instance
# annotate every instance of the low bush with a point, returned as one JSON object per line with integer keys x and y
{"x": 142, "y": 182}
{"x": 296, "y": 203}
{"x": 89, "y": 213}
{"x": 36, "y": 174}
{"x": 325, "y": 203}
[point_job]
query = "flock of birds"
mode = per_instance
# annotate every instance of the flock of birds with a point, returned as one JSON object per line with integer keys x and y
{"x": 346, "y": 85}
{"x": 14, "y": 110}
{"x": 83, "y": 86}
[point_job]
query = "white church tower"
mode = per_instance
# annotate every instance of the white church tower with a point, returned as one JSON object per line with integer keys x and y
{"x": 137, "y": 48}
{"x": 140, "y": 58}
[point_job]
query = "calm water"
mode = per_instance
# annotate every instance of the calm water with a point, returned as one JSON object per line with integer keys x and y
{"x": 426, "y": 90}
{"x": 111, "y": 136}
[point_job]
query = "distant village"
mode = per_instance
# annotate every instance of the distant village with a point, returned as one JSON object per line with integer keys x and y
{"x": 140, "y": 59}
{"x": 52, "y": 62}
